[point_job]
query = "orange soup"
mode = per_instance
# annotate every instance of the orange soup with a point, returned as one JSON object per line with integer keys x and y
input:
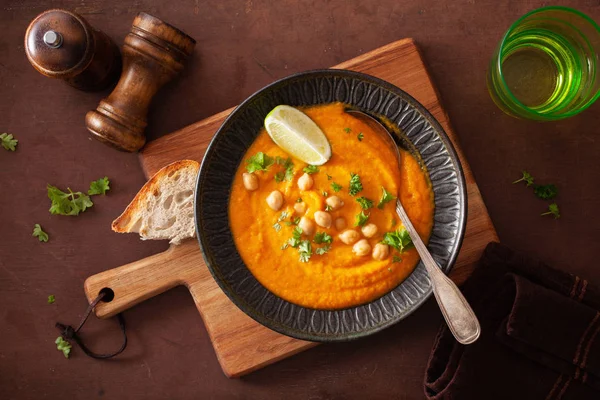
{"x": 316, "y": 268}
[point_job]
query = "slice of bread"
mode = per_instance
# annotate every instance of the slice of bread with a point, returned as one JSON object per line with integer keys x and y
{"x": 164, "y": 207}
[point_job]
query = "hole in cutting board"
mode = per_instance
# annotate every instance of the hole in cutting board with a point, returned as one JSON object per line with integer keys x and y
{"x": 109, "y": 295}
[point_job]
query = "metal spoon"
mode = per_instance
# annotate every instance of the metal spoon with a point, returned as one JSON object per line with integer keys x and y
{"x": 456, "y": 310}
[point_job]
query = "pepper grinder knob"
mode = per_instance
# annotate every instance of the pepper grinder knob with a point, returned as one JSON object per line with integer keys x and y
{"x": 61, "y": 44}
{"x": 154, "y": 52}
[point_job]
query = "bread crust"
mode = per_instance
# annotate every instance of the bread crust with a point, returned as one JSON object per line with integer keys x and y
{"x": 124, "y": 222}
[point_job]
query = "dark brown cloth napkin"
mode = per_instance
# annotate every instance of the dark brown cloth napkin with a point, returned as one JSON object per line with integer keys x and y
{"x": 540, "y": 335}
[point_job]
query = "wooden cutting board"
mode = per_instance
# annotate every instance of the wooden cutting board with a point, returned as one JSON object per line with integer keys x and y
{"x": 241, "y": 344}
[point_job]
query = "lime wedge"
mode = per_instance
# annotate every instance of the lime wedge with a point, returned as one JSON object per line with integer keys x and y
{"x": 298, "y": 135}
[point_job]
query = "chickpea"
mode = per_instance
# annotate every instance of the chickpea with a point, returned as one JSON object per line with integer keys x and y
{"x": 305, "y": 182}
{"x": 275, "y": 200}
{"x": 349, "y": 236}
{"x": 334, "y": 202}
{"x": 369, "y": 230}
{"x": 340, "y": 223}
{"x": 361, "y": 248}
{"x": 323, "y": 218}
{"x": 307, "y": 226}
{"x": 250, "y": 181}
{"x": 300, "y": 208}
{"x": 381, "y": 251}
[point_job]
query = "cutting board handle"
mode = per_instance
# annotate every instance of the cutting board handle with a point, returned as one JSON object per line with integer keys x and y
{"x": 140, "y": 280}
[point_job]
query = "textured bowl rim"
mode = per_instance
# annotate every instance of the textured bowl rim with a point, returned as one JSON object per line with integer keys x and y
{"x": 460, "y": 232}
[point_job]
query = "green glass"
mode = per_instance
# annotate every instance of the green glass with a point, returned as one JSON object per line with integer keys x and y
{"x": 546, "y": 67}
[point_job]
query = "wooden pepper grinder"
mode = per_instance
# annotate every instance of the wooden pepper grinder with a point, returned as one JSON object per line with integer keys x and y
{"x": 61, "y": 44}
{"x": 153, "y": 53}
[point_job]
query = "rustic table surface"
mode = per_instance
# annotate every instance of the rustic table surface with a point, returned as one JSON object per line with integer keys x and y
{"x": 242, "y": 46}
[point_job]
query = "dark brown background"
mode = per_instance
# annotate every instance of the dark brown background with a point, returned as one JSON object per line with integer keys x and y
{"x": 243, "y": 45}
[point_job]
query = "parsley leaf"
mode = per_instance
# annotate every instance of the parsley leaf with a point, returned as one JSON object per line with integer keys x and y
{"x": 527, "y": 178}
{"x": 336, "y": 187}
{"x": 361, "y": 219}
{"x": 365, "y": 203}
{"x": 51, "y": 299}
{"x": 294, "y": 241}
{"x": 311, "y": 169}
{"x": 324, "y": 193}
{"x": 288, "y": 173}
{"x": 347, "y": 130}
{"x": 396, "y": 259}
{"x": 400, "y": 240}
{"x": 553, "y": 210}
{"x": 546, "y": 192}
{"x": 283, "y": 216}
{"x": 305, "y": 250}
{"x": 360, "y": 137}
{"x": 8, "y": 142}
{"x": 259, "y": 162}
{"x": 101, "y": 186}
{"x": 322, "y": 250}
{"x": 322, "y": 237}
{"x": 299, "y": 200}
{"x": 39, "y": 233}
{"x": 355, "y": 184}
{"x": 386, "y": 197}
{"x": 329, "y": 177}
{"x": 63, "y": 345}
{"x": 71, "y": 203}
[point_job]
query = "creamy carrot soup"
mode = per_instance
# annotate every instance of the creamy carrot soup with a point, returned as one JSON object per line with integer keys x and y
{"x": 313, "y": 235}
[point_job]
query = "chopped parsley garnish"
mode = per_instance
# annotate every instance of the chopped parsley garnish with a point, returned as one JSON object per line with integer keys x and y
{"x": 322, "y": 250}
{"x": 311, "y": 169}
{"x": 324, "y": 193}
{"x": 386, "y": 197}
{"x": 8, "y": 142}
{"x": 288, "y": 173}
{"x": 527, "y": 178}
{"x": 396, "y": 258}
{"x": 365, "y": 203}
{"x": 336, "y": 187}
{"x": 361, "y": 219}
{"x": 51, "y": 299}
{"x": 360, "y": 137}
{"x": 322, "y": 237}
{"x": 294, "y": 241}
{"x": 329, "y": 177}
{"x": 347, "y": 130}
{"x": 546, "y": 192}
{"x": 399, "y": 239}
{"x": 553, "y": 210}
{"x": 328, "y": 208}
{"x": 63, "y": 345}
{"x": 101, "y": 186}
{"x": 355, "y": 184}
{"x": 39, "y": 233}
{"x": 304, "y": 250}
{"x": 71, "y": 203}
{"x": 259, "y": 162}
{"x": 299, "y": 200}
{"x": 283, "y": 216}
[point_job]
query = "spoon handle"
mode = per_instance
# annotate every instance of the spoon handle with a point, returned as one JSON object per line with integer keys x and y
{"x": 456, "y": 310}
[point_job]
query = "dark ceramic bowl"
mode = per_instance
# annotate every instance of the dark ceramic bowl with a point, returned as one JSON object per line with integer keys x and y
{"x": 226, "y": 152}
